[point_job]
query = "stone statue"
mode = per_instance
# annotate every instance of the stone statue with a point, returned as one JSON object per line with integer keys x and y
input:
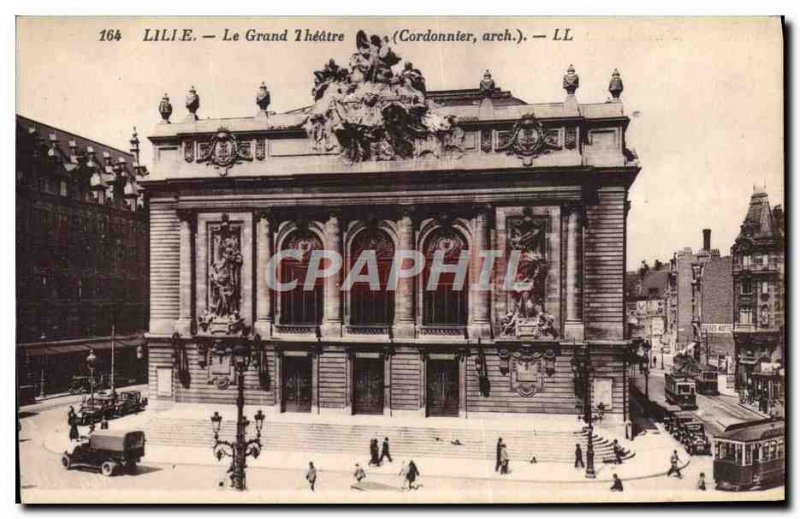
{"x": 373, "y": 113}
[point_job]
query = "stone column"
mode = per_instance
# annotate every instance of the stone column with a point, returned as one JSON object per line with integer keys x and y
{"x": 404, "y": 295}
{"x": 332, "y": 313}
{"x": 187, "y": 224}
{"x": 573, "y": 324}
{"x": 479, "y": 298}
{"x": 263, "y": 324}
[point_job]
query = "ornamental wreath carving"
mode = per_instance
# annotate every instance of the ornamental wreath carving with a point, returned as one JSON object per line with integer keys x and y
{"x": 528, "y": 140}
{"x": 370, "y": 110}
{"x": 223, "y": 151}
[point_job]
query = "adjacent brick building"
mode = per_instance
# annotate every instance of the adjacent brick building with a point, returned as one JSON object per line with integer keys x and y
{"x": 81, "y": 257}
{"x": 700, "y": 306}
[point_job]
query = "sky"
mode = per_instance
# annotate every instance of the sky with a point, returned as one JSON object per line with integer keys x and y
{"x": 705, "y": 96}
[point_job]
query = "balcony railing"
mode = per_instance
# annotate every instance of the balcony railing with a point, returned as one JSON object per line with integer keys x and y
{"x": 364, "y": 329}
{"x": 443, "y": 330}
{"x": 296, "y": 329}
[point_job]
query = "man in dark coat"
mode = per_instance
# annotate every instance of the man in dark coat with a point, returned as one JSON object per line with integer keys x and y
{"x": 497, "y": 458}
{"x": 617, "y": 452}
{"x": 617, "y": 485}
{"x": 411, "y": 474}
{"x": 578, "y": 456}
{"x": 385, "y": 450}
{"x": 373, "y": 453}
{"x": 72, "y": 420}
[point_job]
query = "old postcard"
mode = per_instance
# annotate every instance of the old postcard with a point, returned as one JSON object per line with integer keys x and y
{"x": 400, "y": 260}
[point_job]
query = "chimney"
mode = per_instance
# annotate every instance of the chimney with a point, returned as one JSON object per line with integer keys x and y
{"x": 706, "y": 240}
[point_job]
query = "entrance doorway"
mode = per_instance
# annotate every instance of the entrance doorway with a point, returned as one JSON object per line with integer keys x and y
{"x": 442, "y": 387}
{"x": 368, "y": 385}
{"x": 297, "y": 384}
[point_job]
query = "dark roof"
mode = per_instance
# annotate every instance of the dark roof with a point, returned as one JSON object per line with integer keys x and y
{"x": 759, "y": 223}
{"x": 26, "y": 126}
{"x": 752, "y": 431}
{"x": 652, "y": 286}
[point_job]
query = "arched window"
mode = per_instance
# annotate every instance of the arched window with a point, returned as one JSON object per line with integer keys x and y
{"x": 300, "y": 306}
{"x": 370, "y": 307}
{"x": 446, "y": 304}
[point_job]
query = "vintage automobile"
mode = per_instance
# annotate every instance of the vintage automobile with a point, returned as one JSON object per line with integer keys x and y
{"x": 750, "y": 454}
{"x": 129, "y": 402}
{"x": 93, "y": 409}
{"x": 677, "y": 429}
{"x": 673, "y": 419}
{"x": 694, "y": 438}
{"x": 107, "y": 450}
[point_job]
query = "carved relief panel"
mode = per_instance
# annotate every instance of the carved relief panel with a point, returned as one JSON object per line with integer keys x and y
{"x": 224, "y": 272}
{"x": 527, "y": 303}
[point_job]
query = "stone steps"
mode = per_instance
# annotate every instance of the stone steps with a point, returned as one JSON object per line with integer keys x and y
{"x": 405, "y": 442}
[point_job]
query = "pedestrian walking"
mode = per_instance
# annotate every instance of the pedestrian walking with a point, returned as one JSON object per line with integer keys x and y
{"x": 701, "y": 483}
{"x": 503, "y": 459}
{"x": 497, "y": 458}
{"x": 359, "y": 474}
{"x": 617, "y": 452}
{"x": 72, "y": 420}
{"x": 674, "y": 460}
{"x": 578, "y": 456}
{"x": 617, "y": 485}
{"x": 104, "y": 423}
{"x": 385, "y": 450}
{"x": 411, "y": 474}
{"x": 373, "y": 453}
{"x": 311, "y": 475}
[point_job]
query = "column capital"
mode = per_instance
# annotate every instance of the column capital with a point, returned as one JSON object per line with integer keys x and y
{"x": 186, "y": 215}
{"x": 267, "y": 214}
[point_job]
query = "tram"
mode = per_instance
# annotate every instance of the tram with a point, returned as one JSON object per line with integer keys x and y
{"x": 750, "y": 454}
{"x": 706, "y": 380}
{"x": 680, "y": 390}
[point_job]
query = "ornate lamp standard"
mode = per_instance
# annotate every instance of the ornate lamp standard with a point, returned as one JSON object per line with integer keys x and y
{"x": 240, "y": 448}
{"x": 582, "y": 369}
{"x": 90, "y": 361}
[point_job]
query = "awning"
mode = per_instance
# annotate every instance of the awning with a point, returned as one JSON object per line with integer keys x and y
{"x": 65, "y": 347}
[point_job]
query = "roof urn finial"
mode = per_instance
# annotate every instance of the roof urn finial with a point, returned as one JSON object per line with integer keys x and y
{"x": 165, "y": 109}
{"x": 571, "y": 81}
{"x": 487, "y": 85}
{"x": 615, "y": 86}
{"x": 263, "y": 99}
{"x": 192, "y": 104}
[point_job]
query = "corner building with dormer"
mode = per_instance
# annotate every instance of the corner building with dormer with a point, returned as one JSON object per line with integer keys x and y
{"x": 378, "y": 163}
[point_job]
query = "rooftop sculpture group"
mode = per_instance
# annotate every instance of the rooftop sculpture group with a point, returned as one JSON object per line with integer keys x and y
{"x": 372, "y": 111}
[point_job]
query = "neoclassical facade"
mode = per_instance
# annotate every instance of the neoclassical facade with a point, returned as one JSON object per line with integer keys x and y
{"x": 380, "y": 164}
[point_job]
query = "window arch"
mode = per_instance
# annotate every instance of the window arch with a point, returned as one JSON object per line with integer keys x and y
{"x": 300, "y": 306}
{"x": 372, "y": 307}
{"x": 446, "y": 304}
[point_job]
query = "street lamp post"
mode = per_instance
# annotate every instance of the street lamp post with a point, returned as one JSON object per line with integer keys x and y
{"x": 581, "y": 370}
{"x": 240, "y": 448}
{"x": 90, "y": 361}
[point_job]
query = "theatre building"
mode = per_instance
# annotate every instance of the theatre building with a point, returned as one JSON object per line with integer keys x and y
{"x": 377, "y": 163}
